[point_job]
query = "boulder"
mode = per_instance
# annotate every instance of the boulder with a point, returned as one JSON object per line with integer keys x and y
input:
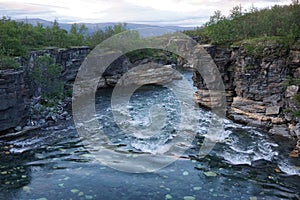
{"x": 295, "y": 130}
{"x": 281, "y": 130}
{"x": 291, "y": 91}
{"x": 295, "y": 57}
{"x": 119, "y": 66}
{"x": 150, "y": 73}
{"x": 274, "y": 110}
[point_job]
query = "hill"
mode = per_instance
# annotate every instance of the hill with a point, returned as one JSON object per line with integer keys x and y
{"x": 92, "y": 27}
{"x": 280, "y": 22}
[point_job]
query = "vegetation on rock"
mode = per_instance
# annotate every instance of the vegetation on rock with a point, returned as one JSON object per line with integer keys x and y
{"x": 7, "y": 62}
{"x": 46, "y": 74}
{"x": 18, "y": 38}
{"x": 283, "y": 22}
{"x": 266, "y": 34}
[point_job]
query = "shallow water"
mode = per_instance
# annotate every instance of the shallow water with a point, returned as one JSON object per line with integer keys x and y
{"x": 54, "y": 163}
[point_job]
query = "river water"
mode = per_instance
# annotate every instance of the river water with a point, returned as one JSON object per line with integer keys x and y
{"x": 53, "y": 163}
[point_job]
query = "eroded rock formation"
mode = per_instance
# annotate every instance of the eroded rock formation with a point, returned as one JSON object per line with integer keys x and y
{"x": 14, "y": 99}
{"x": 18, "y": 91}
{"x": 261, "y": 91}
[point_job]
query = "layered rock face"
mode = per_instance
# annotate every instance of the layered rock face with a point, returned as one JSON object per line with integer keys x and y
{"x": 69, "y": 59}
{"x": 17, "y": 87}
{"x": 223, "y": 59}
{"x": 14, "y": 99}
{"x": 150, "y": 73}
{"x": 260, "y": 91}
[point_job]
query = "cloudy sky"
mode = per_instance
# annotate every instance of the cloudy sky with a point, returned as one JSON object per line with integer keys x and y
{"x": 159, "y": 12}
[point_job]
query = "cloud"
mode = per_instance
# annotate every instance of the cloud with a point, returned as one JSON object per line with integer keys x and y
{"x": 165, "y": 5}
{"x": 18, "y": 9}
{"x": 163, "y": 12}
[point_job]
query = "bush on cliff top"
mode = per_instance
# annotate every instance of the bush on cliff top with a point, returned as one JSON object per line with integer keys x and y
{"x": 18, "y": 38}
{"x": 282, "y": 21}
{"x": 8, "y": 63}
{"x": 46, "y": 74}
{"x": 255, "y": 47}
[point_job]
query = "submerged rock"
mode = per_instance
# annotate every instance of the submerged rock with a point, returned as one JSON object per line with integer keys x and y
{"x": 274, "y": 110}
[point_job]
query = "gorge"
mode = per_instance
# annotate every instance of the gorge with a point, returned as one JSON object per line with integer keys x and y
{"x": 260, "y": 91}
{"x": 251, "y": 161}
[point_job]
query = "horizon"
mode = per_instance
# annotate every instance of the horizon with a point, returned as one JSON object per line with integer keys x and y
{"x": 182, "y": 13}
{"x": 91, "y": 23}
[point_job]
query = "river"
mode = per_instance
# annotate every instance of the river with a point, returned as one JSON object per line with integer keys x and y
{"x": 53, "y": 163}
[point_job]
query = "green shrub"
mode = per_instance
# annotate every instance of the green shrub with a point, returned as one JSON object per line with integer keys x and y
{"x": 296, "y": 100}
{"x": 152, "y": 54}
{"x": 255, "y": 46}
{"x": 296, "y": 114}
{"x": 46, "y": 75}
{"x": 254, "y": 50}
{"x": 291, "y": 81}
{"x": 280, "y": 21}
{"x": 8, "y": 63}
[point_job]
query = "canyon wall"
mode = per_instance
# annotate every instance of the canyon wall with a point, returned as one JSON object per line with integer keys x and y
{"x": 14, "y": 99}
{"x": 260, "y": 90}
{"x": 20, "y": 93}
{"x": 17, "y": 87}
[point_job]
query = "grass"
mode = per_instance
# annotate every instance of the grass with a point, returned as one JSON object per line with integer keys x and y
{"x": 7, "y": 62}
{"x": 255, "y": 46}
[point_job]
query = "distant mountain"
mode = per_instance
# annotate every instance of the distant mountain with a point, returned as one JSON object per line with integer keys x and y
{"x": 35, "y": 21}
{"x": 92, "y": 27}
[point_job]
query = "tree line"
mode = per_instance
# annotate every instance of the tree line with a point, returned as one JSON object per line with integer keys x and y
{"x": 278, "y": 21}
{"x": 17, "y": 38}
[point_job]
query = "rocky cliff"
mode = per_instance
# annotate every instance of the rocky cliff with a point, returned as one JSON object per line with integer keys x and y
{"x": 20, "y": 95}
{"x": 70, "y": 60}
{"x": 17, "y": 88}
{"x": 14, "y": 98}
{"x": 261, "y": 90}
